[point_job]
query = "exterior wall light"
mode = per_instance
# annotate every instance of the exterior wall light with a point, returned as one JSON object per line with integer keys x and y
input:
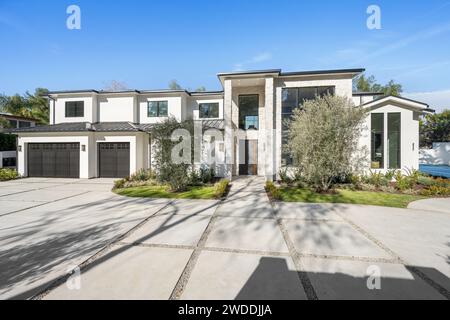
{"x": 19, "y": 148}
{"x": 83, "y": 148}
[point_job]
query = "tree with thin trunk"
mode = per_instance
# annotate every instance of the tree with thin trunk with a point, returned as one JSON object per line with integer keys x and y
{"x": 323, "y": 140}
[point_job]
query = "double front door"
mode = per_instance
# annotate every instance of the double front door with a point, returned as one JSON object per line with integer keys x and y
{"x": 248, "y": 157}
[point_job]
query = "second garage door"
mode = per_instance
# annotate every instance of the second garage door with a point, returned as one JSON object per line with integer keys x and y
{"x": 114, "y": 160}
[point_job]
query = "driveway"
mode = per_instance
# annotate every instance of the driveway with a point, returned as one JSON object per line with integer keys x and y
{"x": 241, "y": 248}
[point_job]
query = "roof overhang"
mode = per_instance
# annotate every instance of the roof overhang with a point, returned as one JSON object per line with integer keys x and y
{"x": 277, "y": 73}
{"x": 399, "y": 101}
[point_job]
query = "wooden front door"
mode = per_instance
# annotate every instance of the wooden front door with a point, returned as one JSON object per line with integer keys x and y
{"x": 248, "y": 164}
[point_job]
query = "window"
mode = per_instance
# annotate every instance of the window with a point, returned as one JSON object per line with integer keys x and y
{"x": 249, "y": 112}
{"x": 394, "y": 140}
{"x": 24, "y": 124}
{"x": 209, "y": 110}
{"x": 74, "y": 109}
{"x": 377, "y": 143}
{"x": 158, "y": 109}
{"x": 294, "y": 98}
{"x": 13, "y": 123}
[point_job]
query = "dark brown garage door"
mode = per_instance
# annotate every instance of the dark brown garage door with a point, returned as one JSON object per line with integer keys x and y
{"x": 114, "y": 160}
{"x": 54, "y": 160}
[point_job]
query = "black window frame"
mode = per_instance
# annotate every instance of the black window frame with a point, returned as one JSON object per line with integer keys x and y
{"x": 287, "y": 111}
{"x": 242, "y": 122}
{"x": 209, "y": 104}
{"x": 74, "y": 109}
{"x": 159, "y": 114}
{"x": 373, "y": 139}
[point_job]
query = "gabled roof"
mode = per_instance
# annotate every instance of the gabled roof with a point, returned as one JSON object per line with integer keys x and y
{"x": 12, "y": 116}
{"x": 364, "y": 93}
{"x": 404, "y": 102}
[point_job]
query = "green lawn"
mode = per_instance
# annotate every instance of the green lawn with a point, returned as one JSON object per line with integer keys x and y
{"x": 204, "y": 193}
{"x": 348, "y": 196}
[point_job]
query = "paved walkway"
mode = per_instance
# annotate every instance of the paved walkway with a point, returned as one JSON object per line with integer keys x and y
{"x": 439, "y": 205}
{"x": 240, "y": 248}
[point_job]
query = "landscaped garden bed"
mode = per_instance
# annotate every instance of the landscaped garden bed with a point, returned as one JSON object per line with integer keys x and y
{"x": 392, "y": 189}
{"x": 8, "y": 174}
{"x": 202, "y": 185}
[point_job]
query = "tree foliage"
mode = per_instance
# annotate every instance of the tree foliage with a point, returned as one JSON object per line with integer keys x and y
{"x": 176, "y": 175}
{"x": 435, "y": 128}
{"x": 27, "y": 105}
{"x": 116, "y": 86}
{"x": 174, "y": 85}
{"x": 323, "y": 140}
{"x": 370, "y": 84}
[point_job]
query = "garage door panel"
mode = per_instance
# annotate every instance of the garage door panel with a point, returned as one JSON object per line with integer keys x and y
{"x": 54, "y": 160}
{"x": 114, "y": 160}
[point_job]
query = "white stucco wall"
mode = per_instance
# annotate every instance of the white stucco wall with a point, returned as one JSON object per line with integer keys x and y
{"x": 193, "y": 105}
{"x": 81, "y": 138}
{"x": 175, "y": 105}
{"x": 116, "y": 109}
{"x": 90, "y": 110}
{"x": 89, "y": 158}
{"x": 409, "y": 136}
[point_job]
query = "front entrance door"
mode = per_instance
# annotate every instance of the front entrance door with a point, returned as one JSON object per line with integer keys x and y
{"x": 248, "y": 154}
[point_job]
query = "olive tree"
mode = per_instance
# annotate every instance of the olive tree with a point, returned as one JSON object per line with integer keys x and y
{"x": 168, "y": 171}
{"x": 323, "y": 140}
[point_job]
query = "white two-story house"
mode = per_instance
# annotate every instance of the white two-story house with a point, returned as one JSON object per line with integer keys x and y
{"x": 106, "y": 134}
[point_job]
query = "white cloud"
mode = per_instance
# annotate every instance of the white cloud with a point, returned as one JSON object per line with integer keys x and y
{"x": 259, "y": 58}
{"x": 438, "y": 100}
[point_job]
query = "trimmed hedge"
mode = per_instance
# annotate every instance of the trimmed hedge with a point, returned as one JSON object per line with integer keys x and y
{"x": 7, "y": 142}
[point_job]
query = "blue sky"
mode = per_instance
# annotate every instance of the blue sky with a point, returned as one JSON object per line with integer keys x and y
{"x": 148, "y": 43}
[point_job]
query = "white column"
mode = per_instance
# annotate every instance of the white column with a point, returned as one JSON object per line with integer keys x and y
{"x": 229, "y": 136}
{"x": 270, "y": 151}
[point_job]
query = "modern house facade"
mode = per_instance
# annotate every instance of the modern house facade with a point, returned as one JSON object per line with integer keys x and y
{"x": 106, "y": 134}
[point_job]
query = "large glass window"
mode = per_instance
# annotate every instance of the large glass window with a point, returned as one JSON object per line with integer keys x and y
{"x": 294, "y": 98}
{"x": 74, "y": 109}
{"x": 249, "y": 112}
{"x": 377, "y": 143}
{"x": 24, "y": 124}
{"x": 394, "y": 140}
{"x": 158, "y": 109}
{"x": 209, "y": 110}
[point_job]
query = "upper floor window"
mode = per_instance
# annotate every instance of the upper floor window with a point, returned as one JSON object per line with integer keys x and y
{"x": 249, "y": 112}
{"x": 209, "y": 110}
{"x": 13, "y": 123}
{"x": 158, "y": 109}
{"x": 294, "y": 98}
{"x": 74, "y": 109}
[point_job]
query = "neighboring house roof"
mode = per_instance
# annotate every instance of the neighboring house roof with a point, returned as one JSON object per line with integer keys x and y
{"x": 279, "y": 72}
{"x": 404, "y": 102}
{"x": 105, "y": 127}
{"x": 362, "y": 93}
{"x": 11, "y": 116}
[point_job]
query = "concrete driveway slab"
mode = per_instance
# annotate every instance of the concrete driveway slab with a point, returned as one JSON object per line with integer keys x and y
{"x": 344, "y": 280}
{"x": 307, "y": 211}
{"x": 192, "y": 207}
{"x": 233, "y": 276}
{"x": 420, "y": 238}
{"x": 129, "y": 273}
{"x": 246, "y": 208}
{"x": 247, "y": 234}
{"x": 7, "y": 207}
{"x": 331, "y": 238}
{"x": 439, "y": 205}
{"x": 171, "y": 230}
{"x": 43, "y": 195}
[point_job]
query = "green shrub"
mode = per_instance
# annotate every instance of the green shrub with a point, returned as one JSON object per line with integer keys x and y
{"x": 378, "y": 179}
{"x": 436, "y": 191}
{"x": 8, "y": 174}
{"x": 390, "y": 174}
{"x": 176, "y": 176}
{"x": 119, "y": 184}
{"x": 285, "y": 178}
{"x": 142, "y": 175}
{"x": 405, "y": 182}
{"x": 273, "y": 191}
{"x": 207, "y": 175}
{"x": 221, "y": 188}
